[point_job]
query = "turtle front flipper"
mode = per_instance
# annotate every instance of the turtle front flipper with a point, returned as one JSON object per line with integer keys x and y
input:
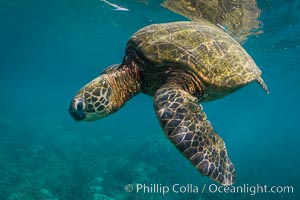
{"x": 185, "y": 124}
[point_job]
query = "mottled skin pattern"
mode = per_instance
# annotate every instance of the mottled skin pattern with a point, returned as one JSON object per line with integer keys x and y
{"x": 186, "y": 125}
{"x": 105, "y": 94}
{"x": 181, "y": 64}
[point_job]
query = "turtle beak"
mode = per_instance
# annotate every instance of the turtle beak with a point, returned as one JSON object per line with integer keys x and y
{"x": 77, "y": 114}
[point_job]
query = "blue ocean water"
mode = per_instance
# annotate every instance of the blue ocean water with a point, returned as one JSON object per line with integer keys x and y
{"x": 50, "y": 49}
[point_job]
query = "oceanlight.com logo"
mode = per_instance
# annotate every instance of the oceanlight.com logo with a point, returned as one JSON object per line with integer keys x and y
{"x": 212, "y": 188}
{"x": 250, "y": 189}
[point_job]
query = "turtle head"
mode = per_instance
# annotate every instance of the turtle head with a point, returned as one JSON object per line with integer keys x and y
{"x": 94, "y": 101}
{"x": 105, "y": 94}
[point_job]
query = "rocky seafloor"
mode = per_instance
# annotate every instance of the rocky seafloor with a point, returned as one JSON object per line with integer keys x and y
{"x": 50, "y": 160}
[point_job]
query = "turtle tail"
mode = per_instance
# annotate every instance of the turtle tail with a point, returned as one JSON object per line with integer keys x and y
{"x": 262, "y": 83}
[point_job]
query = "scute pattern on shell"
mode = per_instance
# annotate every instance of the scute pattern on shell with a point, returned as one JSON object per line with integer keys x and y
{"x": 203, "y": 48}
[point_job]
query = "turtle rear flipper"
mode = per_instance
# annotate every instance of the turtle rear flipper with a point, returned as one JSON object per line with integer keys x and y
{"x": 185, "y": 124}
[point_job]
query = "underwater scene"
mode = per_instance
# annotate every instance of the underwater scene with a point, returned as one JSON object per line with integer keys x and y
{"x": 51, "y": 49}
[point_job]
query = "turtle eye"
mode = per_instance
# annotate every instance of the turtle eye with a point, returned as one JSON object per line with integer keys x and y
{"x": 79, "y": 104}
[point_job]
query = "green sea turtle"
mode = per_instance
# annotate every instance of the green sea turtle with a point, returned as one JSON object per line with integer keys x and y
{"x": 181, "y": 64}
